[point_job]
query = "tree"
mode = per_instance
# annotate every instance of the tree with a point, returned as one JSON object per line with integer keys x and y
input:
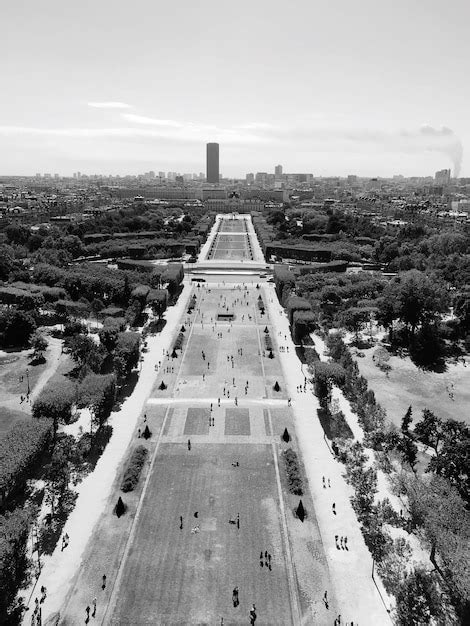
{"x": 39, "y": 344}
{"x": 406, "y": 421}
{"x": 84, "y": 351}
{"x": 55, "y": 401}
{"x": 276, "y": 386}
{"x": 108, "y": 336}
{"x": 14, "y": 530}
{"x": 429, "y": 430}
{"x": 453, "y": 458}
{"x": 300, "y": 511}
{"x": 96, "y": 306}
{"x": 418, "y": 297}
{"x": 127, "y": 351}
{"x": 18, "y": 327}
{"x": 354, "y": 319}
{"x": 418, "y": 599}
{"x": 98, "y": 392}
{"x": 286, "y": 436}
{"x": 409, "y": 451}
{"x": 327, "y": 374}
{"x": 120, "y": 507}
{"x": 438, "y": 509}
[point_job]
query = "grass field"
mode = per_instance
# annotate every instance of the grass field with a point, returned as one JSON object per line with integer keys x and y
{"x": 230, "y": 247}
{"x": 161, "y": 574}
{"x": 447, "y": 393}
{"x": 174, "y": 576}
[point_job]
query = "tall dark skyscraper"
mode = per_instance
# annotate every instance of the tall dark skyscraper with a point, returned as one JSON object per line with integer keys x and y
{"x": 212, "y": 163}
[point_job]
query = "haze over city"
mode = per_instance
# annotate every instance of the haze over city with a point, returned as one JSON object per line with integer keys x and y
{"x": 367, "y": 88}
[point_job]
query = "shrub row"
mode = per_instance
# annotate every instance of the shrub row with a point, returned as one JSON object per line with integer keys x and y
{"x": 179, "y": 341}
{"x": 293, "y": 472}
{"x": 134, "y": 468}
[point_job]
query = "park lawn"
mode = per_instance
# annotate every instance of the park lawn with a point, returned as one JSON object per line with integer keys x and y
{"x": 173, "y": 576}
{"x": 407, "y": 385}
{"x": 13, "y": 366}
{"x": 9, "y": 417}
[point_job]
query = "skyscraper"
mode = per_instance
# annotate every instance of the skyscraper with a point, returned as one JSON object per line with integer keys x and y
{"x": 212, "y": 163}
{"x": 278, "y": 171}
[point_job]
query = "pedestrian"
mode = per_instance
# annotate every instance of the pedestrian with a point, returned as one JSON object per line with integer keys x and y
{"x": 341, "y": 543}
{"x": 329, "y": 485}
{"x": 145, "y": 417}
{"x": 189, "y": 444}
{"x": 235, "y": 597}
{"x": 218, "y": 401}
{"x": 94, "y": 607}
{"x": 334, "y": 508}
{"x": 211, "y": 407}
{"x": 181, "y": 522}
{"x": 103, "y": 586}
{"x": 87, "y": 611}
{"x": 346, "y": 543}
{"x": 138, "y": 432}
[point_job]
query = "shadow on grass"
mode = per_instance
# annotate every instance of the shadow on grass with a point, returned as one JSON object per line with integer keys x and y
{"x": 334, "y": 425}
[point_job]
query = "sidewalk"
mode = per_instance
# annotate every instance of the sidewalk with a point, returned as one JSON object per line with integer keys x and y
{"x": 93, "y": 492}
{"x": 350, "y": 569}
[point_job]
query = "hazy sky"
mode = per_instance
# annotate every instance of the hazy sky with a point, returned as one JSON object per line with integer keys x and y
{"x": 370, "y": 87}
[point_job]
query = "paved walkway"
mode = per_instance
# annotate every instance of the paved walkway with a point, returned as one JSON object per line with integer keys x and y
{"x": 59, "y": 569}
{"x": 350, "y": 570}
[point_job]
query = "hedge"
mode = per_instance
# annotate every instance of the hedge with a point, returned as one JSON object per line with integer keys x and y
{"x": 134, "y": 469}
{"x": 20, "y": 449}
{"x": 293, "y": 472}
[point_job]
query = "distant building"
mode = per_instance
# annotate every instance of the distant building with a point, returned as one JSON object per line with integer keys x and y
{"x": 442, "y": 177}
{"x": 278, "y": 171}
{"x": 352, "y": 178}
{"x": 212, "y": 163}
{"x": 161, "y": 175}
{"x": 250, "y": 179}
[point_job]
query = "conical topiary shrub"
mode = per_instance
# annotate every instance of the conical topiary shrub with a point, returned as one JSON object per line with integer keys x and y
{"x": 120, "y": 507}
{"x": 271, "y": 355}
{"x": 300, "y": 511}
{"x": 162, "y": 386}
{"x": 174, "y": 354}
{"x": 147, "y": 433}
{"x": 266, "y": 329}
{"x": 286, "y": 436}
{"x": 183, "y": 329}
{"x": 277, "y": 387}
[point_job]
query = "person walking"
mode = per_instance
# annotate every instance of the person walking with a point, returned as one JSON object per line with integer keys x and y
{"x": 235, "y": 597}
{"x": 94, "y": 607}
{"x": 189, "y": 444}
{"x": 103, "y": 586}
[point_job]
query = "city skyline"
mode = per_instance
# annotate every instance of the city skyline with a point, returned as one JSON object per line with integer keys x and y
{"x": 369, "y": 93}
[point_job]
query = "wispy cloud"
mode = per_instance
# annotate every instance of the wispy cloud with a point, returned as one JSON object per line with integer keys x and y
{"x": 109, "y": 105}
{"x": 150, "y": 121}
{"x": 306, "y": 138}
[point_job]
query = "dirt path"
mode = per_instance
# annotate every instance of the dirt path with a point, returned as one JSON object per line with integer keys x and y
{"x": 54, "y": 350}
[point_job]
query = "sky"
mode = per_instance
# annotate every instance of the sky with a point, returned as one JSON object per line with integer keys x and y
{"x": 371, "y": 87}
